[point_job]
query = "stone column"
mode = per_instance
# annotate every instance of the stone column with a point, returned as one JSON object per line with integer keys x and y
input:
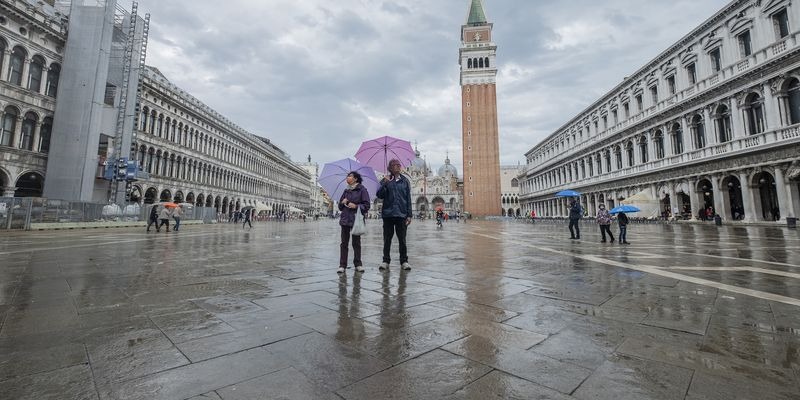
{"x": 651, "y": 146}
{"x": 710, "y": 128}
{"x": 780, "y": 186}
{"x": 772, "y": 114}
{"x": 688, "y": 143}
{"x": 17, "y": 138}
{"x": 694, "y": 203}
{"x": 26, "y": 67}
{"x": 791, "y": 199}
{"x": 741, "y": 128}
{"x": 43, "y": 86}
{"x": 783, "y": 109}
{"x": 8, "y": 191}
{"x": 719, "y": 204}
{"x": 747, "y": 197}
{"x": 673, "y": 200}
{"x": 6, "y": 65}
{"x": 37, "y": 136}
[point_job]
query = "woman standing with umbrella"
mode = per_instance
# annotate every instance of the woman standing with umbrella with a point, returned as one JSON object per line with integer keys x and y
{"x": 355, "y": 197}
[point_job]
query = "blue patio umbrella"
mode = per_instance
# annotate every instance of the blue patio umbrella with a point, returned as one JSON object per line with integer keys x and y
{"x": 568, "y": 193}
{"x": 624, "y": 209}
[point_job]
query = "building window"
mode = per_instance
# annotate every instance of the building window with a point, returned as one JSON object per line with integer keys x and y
{"x": 17, "y": 63}
{"x": 677, "y": 139}
{"x": 723, "y": 121}
{"x": 745, "y": 44}
{"x": 671, "y": 85}
{"x": 691, "y": 73}
{"x": 618, "y": 156}
{"x": 615, "y": 116}
{"x": 643, "y": 149}
{"x": 794, "y": 102}
{"x": 754, "y": 106}
{"x": 605, "y": 122}
{"x": 53, "y": 75}
{"x": 781, "y": 22}
{"x": 28, "y": 126}
{"x": 699, "y": 132}
{"x": 35, "y": 75}
{"x": 8, "y": 126}
{"x": 629, "y": 151}
{"x": 626, "y": 110}
{"x": 716, "y": 60}
{"x": 658, "y": 141}
{"x": 44, "y": 135}
{"x": 654, "y": 94}
{"x": 639, "y": 103}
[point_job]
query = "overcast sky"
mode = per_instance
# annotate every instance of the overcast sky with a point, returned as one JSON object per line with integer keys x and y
{"x": 318, "y": 77}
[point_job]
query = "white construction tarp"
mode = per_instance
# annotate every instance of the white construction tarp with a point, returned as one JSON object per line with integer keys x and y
{"x": 650, "y": 206}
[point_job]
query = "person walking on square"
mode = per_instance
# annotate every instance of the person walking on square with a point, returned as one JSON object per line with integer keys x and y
{"x": 604, "y": 220}
{"x": 153, "y": 219}
{"x": 246, "y": 215}
{"x": 355, "y": 196}
{"x": 395, "y": 191}
{"x": 575, "y": 215}
{"x": 164, "y": 215}
{"x": 622, "y": 219}
{"x": 177, "y": 213}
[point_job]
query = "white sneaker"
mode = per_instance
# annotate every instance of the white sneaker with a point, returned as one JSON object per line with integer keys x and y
{"x": 359, "y": 268}
{"x": 340, "y": 270}
{"x": 406, "y": 266}
{"x": 384, "y": 266}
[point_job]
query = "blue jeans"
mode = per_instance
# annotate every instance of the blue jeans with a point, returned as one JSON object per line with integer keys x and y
{"x": 623, "y": 233}
{"x": 177, "y": 223}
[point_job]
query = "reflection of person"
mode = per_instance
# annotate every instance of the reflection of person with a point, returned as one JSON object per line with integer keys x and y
{"x": 395, "y": 191}
{"x": 354, "y": 196}
{"x": 575, "y": 215}
{"x": 604, "y": 220}
{"x": 247, "y": 216}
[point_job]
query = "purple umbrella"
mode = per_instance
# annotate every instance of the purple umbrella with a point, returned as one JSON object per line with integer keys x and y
{"x": 377, "y": 152}
{"x": 334, "y": 174}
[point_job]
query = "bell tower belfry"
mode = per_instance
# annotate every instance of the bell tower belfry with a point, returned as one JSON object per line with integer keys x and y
{"x": 480, "y": 135}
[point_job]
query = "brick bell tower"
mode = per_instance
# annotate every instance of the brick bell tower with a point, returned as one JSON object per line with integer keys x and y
{"x": 480, "y": 136}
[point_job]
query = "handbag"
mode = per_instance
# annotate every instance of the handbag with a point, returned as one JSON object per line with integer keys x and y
{"x": 359, "y": 226}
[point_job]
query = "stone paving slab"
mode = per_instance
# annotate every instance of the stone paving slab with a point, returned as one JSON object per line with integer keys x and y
{"x": 490, "y": 310}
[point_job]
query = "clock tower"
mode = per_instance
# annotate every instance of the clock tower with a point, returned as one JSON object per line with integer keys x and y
{"x": 480, "y": 136}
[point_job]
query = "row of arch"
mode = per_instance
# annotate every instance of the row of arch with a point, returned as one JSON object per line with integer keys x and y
{"x": 222, "y": 203}
{"x": 26, "y": 131}
{"x": 653, "y": 145}
{"x": 481, "y": 62}
{"x": 31, "y": 72}
{"x": 177, "y": 132}
{"x": 27, "y": 184}
{"x": 762, "y": 195}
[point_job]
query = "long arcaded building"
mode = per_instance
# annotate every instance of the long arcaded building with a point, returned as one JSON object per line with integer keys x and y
{"x": 711, "y": 124}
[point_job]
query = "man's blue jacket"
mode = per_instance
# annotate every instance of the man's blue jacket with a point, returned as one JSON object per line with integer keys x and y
{"x": 396, "y": 196}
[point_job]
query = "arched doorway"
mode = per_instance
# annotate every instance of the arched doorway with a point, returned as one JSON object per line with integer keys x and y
{"x": 666, "y": 206}
{"x": 178, "y": 197}
{"x": 705, "y": 192}
{"x": 511, "y": 212}
{"x": 225, "y": 205}
{"x": 767, "y": 198}
{"x": 136, "y": 194}
{"x": 218, "y": 204}
{"x": 165, "y": 195}
{"x": 201, "y": 200}
{"x": 190, "y": 198}
{"x": 422, "y": 205}
{"x": 150, "y": 196}
{"x": 210, "y": 201}
{"x": 733, "y": 202}
{"x": 29, "y": 184}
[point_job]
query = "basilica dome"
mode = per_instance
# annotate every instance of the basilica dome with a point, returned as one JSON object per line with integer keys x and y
{"x": 448, "y": 169}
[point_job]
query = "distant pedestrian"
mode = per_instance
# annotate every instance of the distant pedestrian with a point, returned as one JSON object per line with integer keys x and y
{"x": 622, "y": 219}
{"x": 604, "y": 220}
{"x": 153, "y": 219}
{"x": 395, "y": 191}
{"x": 575, "y": 215}
{"x": 355, "y": 196}
{"x": 164, "y": 215}
{"x": 246, "y": 215}
{"x": 177, "y": 213}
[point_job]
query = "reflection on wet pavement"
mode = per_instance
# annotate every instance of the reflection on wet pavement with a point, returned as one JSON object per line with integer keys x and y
{"x": 490, "y": 310}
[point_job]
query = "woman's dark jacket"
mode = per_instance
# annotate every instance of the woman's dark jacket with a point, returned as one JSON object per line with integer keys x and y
{"x": 358, "y": 195}
{"x": 396, "y": 195}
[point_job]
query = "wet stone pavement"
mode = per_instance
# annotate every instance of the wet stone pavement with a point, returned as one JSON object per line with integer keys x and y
{"x": 490, "y": 310}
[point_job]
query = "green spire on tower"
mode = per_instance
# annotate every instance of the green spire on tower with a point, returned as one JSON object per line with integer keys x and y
{"x": 476, "y": 14}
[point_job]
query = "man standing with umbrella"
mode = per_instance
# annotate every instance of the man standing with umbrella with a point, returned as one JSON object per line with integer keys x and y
{"x": 395, "y": 191}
